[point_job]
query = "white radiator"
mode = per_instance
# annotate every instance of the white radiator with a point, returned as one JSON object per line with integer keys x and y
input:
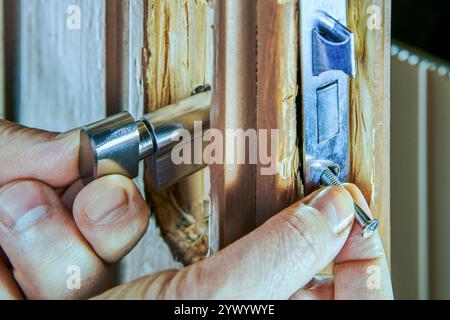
{"x": 420, "y": 175}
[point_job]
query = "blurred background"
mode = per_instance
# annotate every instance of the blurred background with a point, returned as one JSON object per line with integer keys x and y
{"x": 420, "y": 149}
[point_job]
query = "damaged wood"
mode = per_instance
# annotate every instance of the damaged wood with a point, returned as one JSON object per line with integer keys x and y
{"x": 255, "y": 86}
{"x": 258, "y": 43}
{"x": 241, "y": 207}
{"x": 177, "y": 59}
{"x": 370, "y": 107}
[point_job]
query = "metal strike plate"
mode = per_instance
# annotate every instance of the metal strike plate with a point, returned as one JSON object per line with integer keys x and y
{"x": 327, "y": 62}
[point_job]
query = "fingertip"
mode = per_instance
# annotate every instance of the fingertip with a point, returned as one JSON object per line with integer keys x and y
{"x": 357, "y": 196}
{"x": 336, "y": 204}
{"x": 358, "y": 248}
{"x": 41, "y": 241}
{"x": 112, "y": 215}
{"x": 36, "y": 201}
{"x": 311, "y": 196}
{"x": 353, "y": 189}
{"x": 341, "y": 195}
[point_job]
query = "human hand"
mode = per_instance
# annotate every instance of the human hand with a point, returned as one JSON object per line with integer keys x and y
{"x": 49, "y": 224}
{"x": 361, "y": 270}
{"x": 280, "y": 258}
{"x": 274, "y": 262}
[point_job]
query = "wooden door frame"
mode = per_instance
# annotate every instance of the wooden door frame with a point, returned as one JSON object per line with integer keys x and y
{"x": 255, "y": 86}
{"x": 265, "y": 99}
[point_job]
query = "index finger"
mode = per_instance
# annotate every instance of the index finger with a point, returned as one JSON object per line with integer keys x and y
{"x": 39, "y": 155}
{"x": 272, "y": 262}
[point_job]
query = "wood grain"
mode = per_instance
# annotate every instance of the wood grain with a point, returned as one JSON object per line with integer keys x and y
{"x": 370, "y": 110}
{"x": 276, "y": 104}
{"x": 62, "y": 70}
{"x": 255, "y": 86}
{"x": 117, "y": 26}
{"x": 275, "y": 108}
{"x": 258, "y": 90}
{"x": 125, "y": 60}
{"x": 234, "y": 107}
{"x": 177, "y": 59}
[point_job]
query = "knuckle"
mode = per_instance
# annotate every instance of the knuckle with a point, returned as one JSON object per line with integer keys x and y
{"x": 196, "y": 281}
{"x": 341, "y": 196}
{"x": 187, "y": 281}
{"x": 8, "y": 130}
{"x": 305, "y": 227}
{"x": 11, "y": 131}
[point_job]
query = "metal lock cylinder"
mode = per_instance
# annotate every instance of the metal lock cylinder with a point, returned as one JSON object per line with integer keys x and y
{"x": 116, "y": 144}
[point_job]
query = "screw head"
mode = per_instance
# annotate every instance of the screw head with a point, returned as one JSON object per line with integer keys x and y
{"x": 370, "y": 228}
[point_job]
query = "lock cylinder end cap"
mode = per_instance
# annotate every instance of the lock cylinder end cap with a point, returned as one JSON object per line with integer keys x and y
{"x": 109, "y": 146}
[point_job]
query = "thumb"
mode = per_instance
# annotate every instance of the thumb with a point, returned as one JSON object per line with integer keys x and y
{"x": 273, "y": 262}
{"x": 361, "y": 271}
{"x": 38, "y": 155}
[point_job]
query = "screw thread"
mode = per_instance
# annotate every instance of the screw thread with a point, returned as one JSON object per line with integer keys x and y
{"x": 328, "y": 178}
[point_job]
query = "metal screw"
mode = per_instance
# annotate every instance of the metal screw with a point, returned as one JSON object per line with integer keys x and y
{"x": 329, "y": 178}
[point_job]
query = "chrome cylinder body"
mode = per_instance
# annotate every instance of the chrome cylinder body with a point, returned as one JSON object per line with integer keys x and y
{"x": 116, "y": 144}
{"x": 109, "y": 146}
{"x": 181, "y": 124}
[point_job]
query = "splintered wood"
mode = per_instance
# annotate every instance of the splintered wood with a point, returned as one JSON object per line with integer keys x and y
{"x": 370, "y": 107}
{"x": 257, "y": 51}
{"x": 177, "y": 59}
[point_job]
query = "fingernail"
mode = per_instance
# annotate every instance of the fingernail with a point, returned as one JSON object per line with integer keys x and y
{"x": 337, "y": 205}
{"x": 108, "y": 206}
{"x": 22, "y": 205}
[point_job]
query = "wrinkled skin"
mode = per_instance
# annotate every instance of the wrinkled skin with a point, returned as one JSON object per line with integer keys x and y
{"x": 51, "y": 224}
